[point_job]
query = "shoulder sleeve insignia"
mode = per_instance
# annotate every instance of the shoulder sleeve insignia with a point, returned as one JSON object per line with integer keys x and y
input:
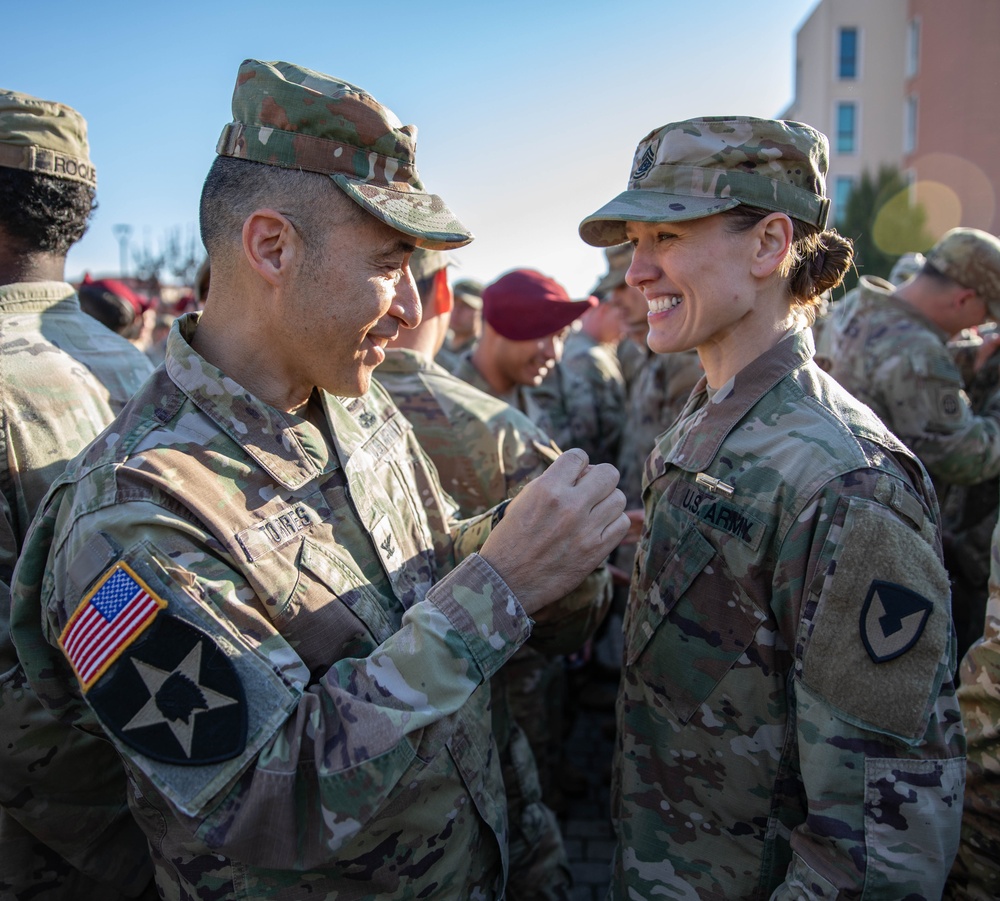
{"x": 892, "y": 620}
{"x": 116, "y": 611}
{"x": 175, "y": 697}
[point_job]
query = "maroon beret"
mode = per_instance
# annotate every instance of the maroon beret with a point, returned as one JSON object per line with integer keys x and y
{"x": 525, "y": 305}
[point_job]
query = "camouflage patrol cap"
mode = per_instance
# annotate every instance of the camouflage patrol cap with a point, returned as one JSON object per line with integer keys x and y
{"x": 699, "y": 167}
{"x": 285, "y": 115}
{"x": 972, "y": 258}
{"x": 45, "y": 137}
{"x": 907, "y": 266}
{"x": 424, "y": 263}
{"x": 469, "y": 292}
{"x": 619, "y": 258}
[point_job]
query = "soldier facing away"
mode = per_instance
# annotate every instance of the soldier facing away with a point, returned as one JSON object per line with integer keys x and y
{"x": 63, "y": 377}
{"x": 252, "y": 585}
{"x": 787, "y": 721}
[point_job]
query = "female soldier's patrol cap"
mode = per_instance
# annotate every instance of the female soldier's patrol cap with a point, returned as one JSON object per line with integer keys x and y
{"x": 692, "y": 169}
{"x": 286, "y": 115}
{"x": 45, "y": 137}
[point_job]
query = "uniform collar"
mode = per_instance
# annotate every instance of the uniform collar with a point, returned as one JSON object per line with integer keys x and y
{"x": 36, "y": 297}
{"x": 290, "y": 449}
{"x": 405, "y": 360}
{"x": 698, "y": 447}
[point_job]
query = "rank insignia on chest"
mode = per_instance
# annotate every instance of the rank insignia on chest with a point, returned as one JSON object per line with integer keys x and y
{"x": 175, "y": 697}
{"x": 114, "y": 613}
{"x": 892, "y": 620}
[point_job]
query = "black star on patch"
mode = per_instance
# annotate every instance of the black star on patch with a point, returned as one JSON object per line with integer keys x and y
{"x": 892, "y": 620}
{"x": 174, "y": 696}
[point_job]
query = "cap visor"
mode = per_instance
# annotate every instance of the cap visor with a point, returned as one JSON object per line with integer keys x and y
{"x": 606, "y": 227}
{"x": 422, "y": 216}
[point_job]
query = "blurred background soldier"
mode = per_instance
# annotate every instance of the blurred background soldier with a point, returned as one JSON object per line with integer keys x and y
{"x": 892, "y": 353}
{"x": 63, "y": 376}
{"x": 485, "y": 451}
{"x": 466, "y": 322}
{"x": 114, "y": 305}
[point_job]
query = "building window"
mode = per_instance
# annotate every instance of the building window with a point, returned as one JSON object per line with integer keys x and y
{"x": 842, "y": 187}
{"x": 847, "y": 127}
{"x": 847, "y": 54}
{"x": 910, "y": 124}
{"x": 912, "y": 48}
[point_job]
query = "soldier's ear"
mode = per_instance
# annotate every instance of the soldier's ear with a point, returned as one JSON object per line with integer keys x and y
{"x": 271, "y": 245}
{"x": 774, "y": 237}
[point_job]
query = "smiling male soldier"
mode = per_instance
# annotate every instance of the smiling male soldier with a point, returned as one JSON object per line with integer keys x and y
{"x": 252, "y": 584}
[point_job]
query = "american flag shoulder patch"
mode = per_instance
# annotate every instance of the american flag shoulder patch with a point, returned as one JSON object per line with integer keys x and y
{"x": 115, "y": 612}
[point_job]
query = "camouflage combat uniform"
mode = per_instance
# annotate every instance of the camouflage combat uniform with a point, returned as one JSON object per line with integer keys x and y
{"x": 595, "y": 396}
{"x": 787, "y": 725}
{"x": 251, "y": 614}
{"x": 484, "y": 451}
{"x": 64, "y": 376}
{"x": 892, "y": 358}
{"x": 976, "y": 874}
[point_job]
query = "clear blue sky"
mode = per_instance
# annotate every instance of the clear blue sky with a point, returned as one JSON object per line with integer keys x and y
{"x": 528, "y": 112}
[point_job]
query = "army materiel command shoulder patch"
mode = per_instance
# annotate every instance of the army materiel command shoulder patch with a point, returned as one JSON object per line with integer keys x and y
{"x": 892, "y": 620}
{"x": 175, "y": 697}
{"x": 113, "y": 615}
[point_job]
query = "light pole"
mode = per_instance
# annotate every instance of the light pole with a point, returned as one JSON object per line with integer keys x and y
{"x": 122, "y": 232}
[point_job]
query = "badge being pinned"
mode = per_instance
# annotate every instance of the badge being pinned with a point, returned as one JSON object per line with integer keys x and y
{"x": 115, "y": 612}
{"x": 892, "y": 620}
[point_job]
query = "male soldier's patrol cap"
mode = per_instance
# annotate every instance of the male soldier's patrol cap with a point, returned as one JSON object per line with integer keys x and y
{"x": 424, "y": 263}
{"x": 692, "y": 169}
{"x": 286, "y": 115}
{"x": 45, "y": 137}
{"x": 525, "y": 305}
{"x": 619, "y": 259}
{"x": 972, "y": 258}
{"x": 907, "y": 266}
{"x": 469, "y": 292}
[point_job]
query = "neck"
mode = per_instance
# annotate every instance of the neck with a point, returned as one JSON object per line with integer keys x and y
{"x": 484, "y": 361}
{"x": 35, "y": 267}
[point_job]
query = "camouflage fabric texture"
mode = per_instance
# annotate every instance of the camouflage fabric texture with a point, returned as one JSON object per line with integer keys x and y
{"x": 64, "y": 378}
{"x": 286, "y": 115}
{"x": 698, "y": 167}
{"x": 971, "y": 257}
{"x": 44, "y": 137}
{"x": 485, "y": 451}
{"x": 779, "y": 736}
{"x": 278, "y": 744}
{"x": 976, "y": 876}
{"x": 595, "y": 396}
{"x": 892, "y": 358}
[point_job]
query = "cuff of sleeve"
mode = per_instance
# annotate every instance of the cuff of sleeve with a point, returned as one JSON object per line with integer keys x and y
{"x": 484, "y": 611}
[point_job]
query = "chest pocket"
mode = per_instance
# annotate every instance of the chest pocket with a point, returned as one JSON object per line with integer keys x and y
{"x": 689, "y": 622}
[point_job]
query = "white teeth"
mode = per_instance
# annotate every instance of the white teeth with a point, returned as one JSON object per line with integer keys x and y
{"x": 662, "y": 304}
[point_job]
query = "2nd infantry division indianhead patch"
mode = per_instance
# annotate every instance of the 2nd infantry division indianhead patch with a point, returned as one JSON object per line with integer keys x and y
{"x": 892, "y": 620}
{"x": 158, "y": 683}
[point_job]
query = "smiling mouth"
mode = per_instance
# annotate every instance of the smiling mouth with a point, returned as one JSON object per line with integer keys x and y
{"x": 662, "y": 304}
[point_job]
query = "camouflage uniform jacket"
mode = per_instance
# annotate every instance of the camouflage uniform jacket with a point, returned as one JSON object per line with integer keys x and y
{"x": 595, "y": 396}
{"x": 976, "y": 876}
{"x": 63, "y": 377}
{"x": 892, "y": 358}
{"x": 656, "y": 395}
{"x": 787, "y": 721}
{"x": 251, "y": 615}
{"x": 545, "y": 405}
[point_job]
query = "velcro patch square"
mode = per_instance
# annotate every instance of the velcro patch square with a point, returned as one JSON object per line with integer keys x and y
{"x": 112, "y": 615}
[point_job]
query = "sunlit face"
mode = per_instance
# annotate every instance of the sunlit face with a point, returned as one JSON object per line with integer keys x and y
{"x": 350, "y": 296}
{"x": 632, "y": 304}
{"x": 528, "y": 362}
{"x": 696, "y": 280}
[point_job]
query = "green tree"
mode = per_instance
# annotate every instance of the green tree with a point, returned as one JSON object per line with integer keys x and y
{"x": 884, "y": 223}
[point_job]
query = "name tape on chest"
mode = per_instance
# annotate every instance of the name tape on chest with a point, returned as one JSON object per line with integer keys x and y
{"x": 116, "y": 611}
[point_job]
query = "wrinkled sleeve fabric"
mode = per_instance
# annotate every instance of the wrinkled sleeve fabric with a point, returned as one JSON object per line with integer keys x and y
{"x": 346, "y": 735}
{"x": 880, "y": 742}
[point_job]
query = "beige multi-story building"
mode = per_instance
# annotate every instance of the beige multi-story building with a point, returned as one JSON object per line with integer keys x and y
{"x": 910, "y": 84}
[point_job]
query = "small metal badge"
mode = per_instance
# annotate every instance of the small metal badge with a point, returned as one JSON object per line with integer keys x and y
{"x": 716, "y": 486}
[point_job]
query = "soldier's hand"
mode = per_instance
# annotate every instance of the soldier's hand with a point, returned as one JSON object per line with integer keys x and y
{"x": 558, "y": 529}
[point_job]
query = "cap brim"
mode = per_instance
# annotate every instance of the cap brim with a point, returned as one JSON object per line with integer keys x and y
{"x": 606, "y": 227}
{"x": 421, "y": 216}
{"x": 546, "y": 318}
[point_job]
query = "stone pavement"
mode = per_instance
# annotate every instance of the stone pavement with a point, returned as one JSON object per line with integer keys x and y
{"x": 586, "y": 824}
